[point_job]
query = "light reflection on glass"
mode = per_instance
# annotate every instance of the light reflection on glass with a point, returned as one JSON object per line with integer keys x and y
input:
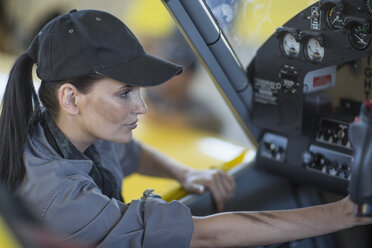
{"x": 219, "y": 149}
{"x": 248, "y": 23}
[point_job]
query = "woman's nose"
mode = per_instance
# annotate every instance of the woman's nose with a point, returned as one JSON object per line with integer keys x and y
{"x": 140, "y": 107}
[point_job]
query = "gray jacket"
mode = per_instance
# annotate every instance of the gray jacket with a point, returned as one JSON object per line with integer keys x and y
{"x": 68, "y": 201}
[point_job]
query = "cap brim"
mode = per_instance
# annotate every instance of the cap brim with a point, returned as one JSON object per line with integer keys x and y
{"x": 143, "y": 71}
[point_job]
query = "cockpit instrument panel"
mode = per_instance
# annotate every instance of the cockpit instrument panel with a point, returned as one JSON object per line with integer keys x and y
{"x": 301, "y": 91}
{"x": 311, "y": 91}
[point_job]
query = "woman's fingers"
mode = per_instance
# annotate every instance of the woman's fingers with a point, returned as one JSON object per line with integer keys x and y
{"x": 222, "y": 188}
{"x": 219, "y": 183}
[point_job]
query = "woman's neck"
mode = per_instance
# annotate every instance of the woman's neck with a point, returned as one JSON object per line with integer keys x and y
{"x": 71, "y": 129}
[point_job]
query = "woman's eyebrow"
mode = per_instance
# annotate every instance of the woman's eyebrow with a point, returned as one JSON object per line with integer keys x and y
{"x": 126, "y": 86}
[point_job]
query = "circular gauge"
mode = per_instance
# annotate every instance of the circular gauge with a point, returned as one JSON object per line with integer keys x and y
{"x": 314, "y": 50}
{"x": 359, "y": 37}
{"x": 368, "y": 4}
{"x": 290, "y": 47}
{"x": 335, "y": 18}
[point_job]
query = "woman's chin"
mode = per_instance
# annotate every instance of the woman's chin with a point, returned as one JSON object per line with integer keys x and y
{"x": 122, "y": 139}
{"x": 117, "y": 137}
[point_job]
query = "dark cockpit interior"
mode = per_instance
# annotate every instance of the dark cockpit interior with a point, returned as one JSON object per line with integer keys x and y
{"x": 304, "y": 97}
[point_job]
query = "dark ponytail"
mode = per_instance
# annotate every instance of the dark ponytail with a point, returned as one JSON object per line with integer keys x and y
{"x": 20, "y": 104}
{"x": 21, "y": 109}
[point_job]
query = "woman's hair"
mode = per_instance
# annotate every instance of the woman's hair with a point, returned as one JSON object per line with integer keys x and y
{"x": 21, "y": 108}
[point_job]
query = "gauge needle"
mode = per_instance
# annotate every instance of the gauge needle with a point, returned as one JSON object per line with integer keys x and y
{"x": 311, "y": 49}
{"x": 360, "y": 39}
{"x": 337, "y": 17}
{"x": 315, "y": 54}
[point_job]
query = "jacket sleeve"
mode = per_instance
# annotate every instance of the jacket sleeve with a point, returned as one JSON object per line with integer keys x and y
{"x": 81, "y": 213}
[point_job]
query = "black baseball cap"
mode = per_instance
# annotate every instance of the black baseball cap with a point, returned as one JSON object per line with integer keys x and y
{"x": 87, "y": 41}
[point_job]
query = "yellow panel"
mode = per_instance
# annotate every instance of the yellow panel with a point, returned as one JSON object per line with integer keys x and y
{"x": 148, "y": 17}
{"x": 6, "y": 237}
{"x": 258, "y": 19}
{"x": 192, "y": 147}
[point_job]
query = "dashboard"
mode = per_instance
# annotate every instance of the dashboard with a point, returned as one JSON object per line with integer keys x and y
{"x": 301, "y": 91}
{"x": 305, "y": 99}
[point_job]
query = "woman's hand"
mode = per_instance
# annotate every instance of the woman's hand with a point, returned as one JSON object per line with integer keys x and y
{"x": 221, "y": 185}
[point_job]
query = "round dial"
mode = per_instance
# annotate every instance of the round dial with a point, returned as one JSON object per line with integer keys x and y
{"x": 359, "y": 37}
{"x": 335, "y": 18}
{"x": 368, "y": 4}
{"x": 290, "y": 46}
{"x": 314, "y": 50}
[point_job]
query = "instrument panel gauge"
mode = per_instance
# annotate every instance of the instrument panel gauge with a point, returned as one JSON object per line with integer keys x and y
{"x": 314, "y": 50}
{"x": 359, "y": 36}
{"x": 335, "y": 18}
{"x": 290, "y": 46}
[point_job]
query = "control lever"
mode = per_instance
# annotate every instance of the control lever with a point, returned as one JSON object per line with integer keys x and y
{"x": 360, "y": 136}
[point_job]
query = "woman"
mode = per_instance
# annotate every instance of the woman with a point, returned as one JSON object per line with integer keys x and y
{"x": 76, "y": 152}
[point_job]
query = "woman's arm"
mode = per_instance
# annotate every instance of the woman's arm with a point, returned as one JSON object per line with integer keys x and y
{"x": 221, "y": 185}
{"x": 237, "y": 229}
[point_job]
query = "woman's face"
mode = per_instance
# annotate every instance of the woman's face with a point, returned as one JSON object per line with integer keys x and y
{"x": 110, "y": 110}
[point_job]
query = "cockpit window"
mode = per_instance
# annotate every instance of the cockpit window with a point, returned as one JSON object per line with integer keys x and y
{"x": 248, "y": 23}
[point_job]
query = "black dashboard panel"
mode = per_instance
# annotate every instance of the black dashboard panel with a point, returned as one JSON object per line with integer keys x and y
{"x": 301, "y": 58}
{"x": 302, "y": 89}
{"x": 302, "y": 97}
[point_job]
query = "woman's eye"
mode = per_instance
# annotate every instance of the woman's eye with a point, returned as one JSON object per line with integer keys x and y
{"x": 124, "y": 93}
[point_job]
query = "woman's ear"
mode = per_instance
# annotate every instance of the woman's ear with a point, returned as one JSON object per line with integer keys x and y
{"x": 67, "y": 95}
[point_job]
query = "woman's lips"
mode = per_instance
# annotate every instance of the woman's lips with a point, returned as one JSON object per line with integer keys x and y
{"x": 132, "y": 125}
